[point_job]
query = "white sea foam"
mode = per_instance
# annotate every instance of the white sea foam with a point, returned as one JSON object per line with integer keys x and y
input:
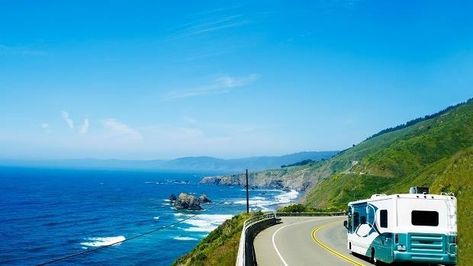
{"x": 258, "y": 198}
{"x": 265, "y": 204}
{"x": 185, "y": 238}
{"x": 103, "y": 241}
{"x": 205, "y": 223}
{"x": 287, "y": 197}
{"x": 258, "y": 203}
{"x": 262, "y": 190}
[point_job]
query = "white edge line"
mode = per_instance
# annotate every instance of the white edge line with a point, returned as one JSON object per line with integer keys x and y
{"x": 276, "y": 248}
{"x": 274, "y": 235}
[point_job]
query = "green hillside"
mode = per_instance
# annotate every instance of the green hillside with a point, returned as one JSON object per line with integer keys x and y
{"x": 220, "y": 247}
{"x": 435, "y": 152}
{"x": 392, "y": 161}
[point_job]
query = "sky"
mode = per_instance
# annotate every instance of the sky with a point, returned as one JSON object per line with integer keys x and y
{"x": 166, "y": 79}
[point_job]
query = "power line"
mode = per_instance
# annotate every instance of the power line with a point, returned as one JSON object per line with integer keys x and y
{"x": 125, "y": 240}
{"x": 115, "y": 243}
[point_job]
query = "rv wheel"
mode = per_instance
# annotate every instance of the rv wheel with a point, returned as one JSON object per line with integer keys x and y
{"x": 373, "y": 257}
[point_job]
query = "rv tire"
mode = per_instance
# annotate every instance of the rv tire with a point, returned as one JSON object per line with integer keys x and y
{"x": 373, "y": 258}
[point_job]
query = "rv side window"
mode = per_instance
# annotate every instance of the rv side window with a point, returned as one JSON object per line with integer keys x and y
{"x": 425, "y": 218}
{"x": 356, "y": 219}
{"x": 383, "y": 221}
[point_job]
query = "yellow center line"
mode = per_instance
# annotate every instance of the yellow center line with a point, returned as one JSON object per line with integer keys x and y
{"x": 328, "y": 248}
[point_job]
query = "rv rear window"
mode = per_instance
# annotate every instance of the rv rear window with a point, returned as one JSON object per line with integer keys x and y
{"x": 425, "y": 218}
{"x": 383, "y": 218}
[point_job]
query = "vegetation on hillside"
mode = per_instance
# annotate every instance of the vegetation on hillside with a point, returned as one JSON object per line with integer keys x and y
{"x": 301, "y": 163}
{"x": 417, "y": 120}
{"x": 435, "y": 151}
{"x": 220, "y": 247}
{"x": 303, "y": 208}
{"x": 455, "y": 175}
{"x": 395, "y": 160}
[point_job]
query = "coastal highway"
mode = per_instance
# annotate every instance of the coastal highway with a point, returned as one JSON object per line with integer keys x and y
{"x": 305, "y": 241}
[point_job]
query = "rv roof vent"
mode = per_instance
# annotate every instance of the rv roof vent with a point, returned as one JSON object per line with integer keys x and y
{"x": 419, "y": 190}
{"x": 377, "y": 195}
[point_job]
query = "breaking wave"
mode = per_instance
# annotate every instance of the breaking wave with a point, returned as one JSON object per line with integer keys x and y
{"x": 270, "y": 203}
{"x": 185, "y": 238}
{"x": 204, "y": 223}
{"x": 103, "y": 241}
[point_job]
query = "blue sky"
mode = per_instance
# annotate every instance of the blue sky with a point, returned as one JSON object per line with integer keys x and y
{"x": 164, "y": 79}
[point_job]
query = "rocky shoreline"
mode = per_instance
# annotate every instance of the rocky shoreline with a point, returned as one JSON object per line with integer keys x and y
{"x": 264, "y": 180}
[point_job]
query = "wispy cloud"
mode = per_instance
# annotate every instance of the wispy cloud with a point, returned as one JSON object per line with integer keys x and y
{"x": 67, "y": 119}
{"x": 209, "y": 23}
{"x": 221, "y": 85}
{"x": 46, "y": 128}
{"x": 216, "y": 25}
{"x": 229, "y": 82}
{"x": 117, "y": 129}
{"x": 85, "y": 126}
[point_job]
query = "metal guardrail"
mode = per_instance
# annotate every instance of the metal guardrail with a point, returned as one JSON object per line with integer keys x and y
{"x": 245, "y": 255}
{"x": 280, "y": 214}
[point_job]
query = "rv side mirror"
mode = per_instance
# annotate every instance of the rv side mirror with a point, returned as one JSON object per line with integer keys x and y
{"x": 345, "y": 224}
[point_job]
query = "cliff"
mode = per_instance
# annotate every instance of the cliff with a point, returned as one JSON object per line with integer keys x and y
{"x": 299, "y": 178}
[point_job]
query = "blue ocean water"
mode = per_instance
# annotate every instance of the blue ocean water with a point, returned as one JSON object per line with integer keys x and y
{"x": 49, "y": 213}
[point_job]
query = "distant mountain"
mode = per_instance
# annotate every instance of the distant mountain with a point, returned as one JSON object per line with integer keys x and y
{"x": 252, "y": 163}
{"x": 202, "y": 163}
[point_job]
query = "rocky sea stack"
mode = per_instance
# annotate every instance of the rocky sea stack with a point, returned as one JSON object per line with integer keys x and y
{"x": 188, "y": 202}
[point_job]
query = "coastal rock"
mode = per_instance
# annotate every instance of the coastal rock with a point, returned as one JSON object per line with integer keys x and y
{"x": 190, "y": 202}
{"x": 172, "y": 198}
{"x": 187, "y": 202}
{"x": 204, "y": 199}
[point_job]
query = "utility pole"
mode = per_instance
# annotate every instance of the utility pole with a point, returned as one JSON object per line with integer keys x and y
{"x": 247, "y": 194}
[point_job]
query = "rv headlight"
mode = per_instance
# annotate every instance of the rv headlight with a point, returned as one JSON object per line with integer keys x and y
{"x": 401, "y": 248}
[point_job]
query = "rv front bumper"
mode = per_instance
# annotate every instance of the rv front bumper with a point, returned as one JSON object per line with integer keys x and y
{"x": 448, "y": 258}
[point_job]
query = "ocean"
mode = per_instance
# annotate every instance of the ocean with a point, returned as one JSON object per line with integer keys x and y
{"x": 47, "y": 214}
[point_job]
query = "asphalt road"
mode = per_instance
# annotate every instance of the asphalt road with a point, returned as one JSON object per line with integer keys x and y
{"x": 305, "y": 241}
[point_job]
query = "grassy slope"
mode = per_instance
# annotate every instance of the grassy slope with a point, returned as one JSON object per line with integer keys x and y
{"x": 220, "y": 247}
{"x": 392, "y": 154}
{"x": 389, "y": 160}
{"x": 437, "y": 152}
{"x": 456, "y": 175}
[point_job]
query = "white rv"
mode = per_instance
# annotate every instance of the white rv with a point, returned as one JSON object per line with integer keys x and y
{"x": 417, "y": 227}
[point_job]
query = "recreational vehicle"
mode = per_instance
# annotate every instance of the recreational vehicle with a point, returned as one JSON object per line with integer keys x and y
{"x": 417, "y": 227}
